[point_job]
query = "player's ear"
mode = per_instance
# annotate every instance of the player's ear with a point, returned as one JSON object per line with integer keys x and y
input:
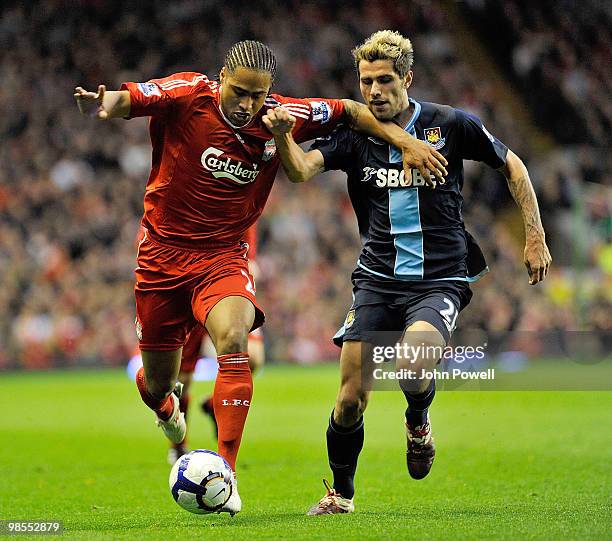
{"x": 408, "y": 80}
{"x": 222, "y": 74}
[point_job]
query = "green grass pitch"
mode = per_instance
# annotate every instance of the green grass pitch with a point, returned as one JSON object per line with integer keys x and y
{"x": 80, "y": 447}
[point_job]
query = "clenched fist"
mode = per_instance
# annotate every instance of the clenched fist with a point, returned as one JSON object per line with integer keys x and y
{"x": 279, "y": 121}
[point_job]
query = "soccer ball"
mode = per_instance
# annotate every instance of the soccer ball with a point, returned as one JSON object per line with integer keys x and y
{"x": 201, "y": 481}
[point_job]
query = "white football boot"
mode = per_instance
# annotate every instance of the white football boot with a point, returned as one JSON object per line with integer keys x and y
{"x": 332, "y": 503}
{"x": 234, "y": 504}
{"x": 175, "y": 428}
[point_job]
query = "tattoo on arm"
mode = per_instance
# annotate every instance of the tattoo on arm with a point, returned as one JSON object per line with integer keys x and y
{"x": 524, "y": 196}
{"x": 352, "y": 111}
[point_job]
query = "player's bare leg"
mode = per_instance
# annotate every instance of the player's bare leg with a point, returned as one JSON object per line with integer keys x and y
{"x": 352, "y": 398}
{"x": 156, "y": 380}
{"x": 189, "y": 359}
{"x": 419, "y": 393}
{"x": 345, "y": 432}
{"x": 228, "y": 324}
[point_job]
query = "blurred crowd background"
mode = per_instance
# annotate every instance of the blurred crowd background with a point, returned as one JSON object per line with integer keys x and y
{"x": 71, "y": 188}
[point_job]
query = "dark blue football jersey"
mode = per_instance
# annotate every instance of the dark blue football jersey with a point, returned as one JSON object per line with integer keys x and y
{"x": 411, "y": 231}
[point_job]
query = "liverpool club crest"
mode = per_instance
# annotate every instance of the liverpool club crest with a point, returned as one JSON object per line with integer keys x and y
{"x": 269, "y": 150}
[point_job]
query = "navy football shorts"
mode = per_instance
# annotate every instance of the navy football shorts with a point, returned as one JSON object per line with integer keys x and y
{"x": 377, "y": 309}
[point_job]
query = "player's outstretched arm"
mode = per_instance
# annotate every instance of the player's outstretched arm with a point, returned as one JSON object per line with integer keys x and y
{"x": 537, "y": 258}
{"x": 300, "y": 166}
{"x": 416, "y": 154}
{"x": 103, "y": 104}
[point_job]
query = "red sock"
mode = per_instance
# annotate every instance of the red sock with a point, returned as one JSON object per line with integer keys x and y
{"x": 163, "y": 408}
{"x": 231, "y": 402}
{"x": 183, "y": 406}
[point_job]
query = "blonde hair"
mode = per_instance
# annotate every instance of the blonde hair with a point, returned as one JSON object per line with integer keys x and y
{"x": 386, "y": 45}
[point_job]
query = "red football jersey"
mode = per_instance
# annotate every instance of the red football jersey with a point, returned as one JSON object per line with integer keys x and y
{"x": 210, "y": 180}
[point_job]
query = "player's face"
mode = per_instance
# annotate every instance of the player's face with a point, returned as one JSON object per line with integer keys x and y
{"x": 383, "y": 90}
{"x": 243, "y": 92}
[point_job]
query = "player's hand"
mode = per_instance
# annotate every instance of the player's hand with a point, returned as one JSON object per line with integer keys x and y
{"x": 537, "y": 258}
{"x": 91, "y": 103}
{"x": 417, "y": 154}
{"x": 279, "y": 121}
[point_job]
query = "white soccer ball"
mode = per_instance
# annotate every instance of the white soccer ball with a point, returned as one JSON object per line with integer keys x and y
{"x": 201, "y": 481}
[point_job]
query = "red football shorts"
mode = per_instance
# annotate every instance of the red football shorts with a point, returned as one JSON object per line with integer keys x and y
{"x": 177, "y": 288}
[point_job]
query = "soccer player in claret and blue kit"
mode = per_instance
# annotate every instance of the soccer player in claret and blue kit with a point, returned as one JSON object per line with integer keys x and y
{"x": 413, "y": 274}
{"x": 213, "y": 166}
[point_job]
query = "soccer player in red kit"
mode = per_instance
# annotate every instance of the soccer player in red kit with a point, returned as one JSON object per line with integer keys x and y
{"x": 213, "y": 166}
{"x": 193, "y": 349}
{"x": 191, "y": 354}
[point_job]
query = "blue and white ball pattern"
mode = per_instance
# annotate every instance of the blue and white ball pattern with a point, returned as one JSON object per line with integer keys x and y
{"x": 201, "y": 481}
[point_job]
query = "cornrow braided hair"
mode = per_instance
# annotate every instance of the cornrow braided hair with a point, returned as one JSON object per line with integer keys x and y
{"x": 251, "y": 54}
